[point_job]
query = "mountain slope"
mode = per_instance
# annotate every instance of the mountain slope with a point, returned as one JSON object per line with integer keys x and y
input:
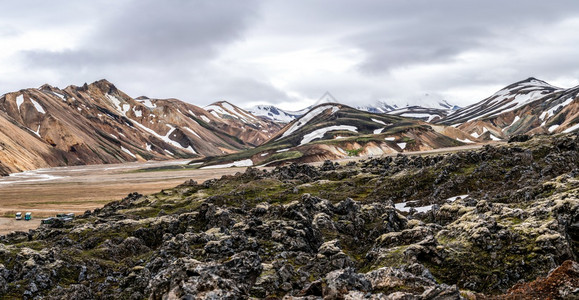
{"x": 241, "y": 123}
{"x": 331, "y": 131}
{"x": 98, "y": 123}
{"x": 527, "y": 107}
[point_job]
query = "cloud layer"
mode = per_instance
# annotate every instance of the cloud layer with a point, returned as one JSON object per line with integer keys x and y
{"x": 289, "y": 53}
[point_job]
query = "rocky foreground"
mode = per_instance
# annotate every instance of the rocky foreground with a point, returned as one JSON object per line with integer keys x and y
{"x": 474, "y": 224}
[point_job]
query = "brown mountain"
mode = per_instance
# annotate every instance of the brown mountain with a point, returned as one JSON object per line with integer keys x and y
{"x": 98, "y": 123}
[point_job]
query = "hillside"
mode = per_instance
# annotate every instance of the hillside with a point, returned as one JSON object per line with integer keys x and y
{"x": 242, "y": 124}
{"x": 332, "y": 131}
{"x": 530, "y": 106}
{"x": 474, "y": 224}
{"x": 97, "y": 123}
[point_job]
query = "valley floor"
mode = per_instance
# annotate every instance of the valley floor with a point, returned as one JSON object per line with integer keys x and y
{"x": 46, "y": 192}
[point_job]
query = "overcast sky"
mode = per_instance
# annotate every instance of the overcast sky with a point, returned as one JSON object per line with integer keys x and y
{"x": 289, "y": 53}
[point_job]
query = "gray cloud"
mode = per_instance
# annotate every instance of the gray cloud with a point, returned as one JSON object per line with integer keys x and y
{"x": 155, "y": 33}
{"x": 202, "y": 51}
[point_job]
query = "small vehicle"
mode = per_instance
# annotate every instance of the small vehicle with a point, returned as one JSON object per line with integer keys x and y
{"x": 47, "y": 220}
{"x": 65, "y": 217}
{"x": 28, "y": 216}
{"x": 18, "y": 216}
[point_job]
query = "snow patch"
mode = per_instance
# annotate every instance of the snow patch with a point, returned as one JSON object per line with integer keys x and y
{"x": 148, "y": 103}
{"x": 401, "y": 145}
{"x": 239, "y": 163}
{"x": 206, "y": 119}
{"x": 307, "y": 118}
{"x": 378, "y": 121}
{"x": 282, "y": 150}
{"x": 19, "y": 101}
{"x": 128, "y": 152}
{"x": 552, "y": 128}
{"x": 138, "y": 113}
{"x": 37, "y": 106}
{"x": 193, "y": 132}
{"x": 264, "y": 154}
{"x": 317, "y": 134}
{"x": 494, "y": 138}
{"x": 464, "y": 141}
{"x": 379, "y": 130}
{"x": 452, "y": 199}
{"x": 572, "y": 128}
{"x": 402, "y": 207}
{"x": 551, "y": 112}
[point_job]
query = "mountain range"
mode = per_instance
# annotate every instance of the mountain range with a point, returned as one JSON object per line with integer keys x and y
{"x": 426, "y": 107}
{"x": 98, "y": 123}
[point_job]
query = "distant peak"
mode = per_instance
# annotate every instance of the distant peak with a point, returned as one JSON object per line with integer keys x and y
{"x": 104, "y": 85}
{"x": 47, "y": 87}
{"x": 533, "y": 80}
{"x": 221, "y": 103}
{"x": 327, "y": 97}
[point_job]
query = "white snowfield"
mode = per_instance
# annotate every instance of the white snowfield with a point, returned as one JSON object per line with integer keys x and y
{"x": 239, "y": 163}
{"x": 229, "y": 110}
{"x": 307, "y": 118}
{"x": 429, "y": 117}
{"x": 390, "y": 138}
{"x": 452, "y": 199}
{"x": 464, "y": 141}
{"x": 38, "y": 107}
{"x": 549, "y": 113}
{"x": 379, "y": 130}
{"x": 272, "y": 112}
{"x": 193, "y": 132}
{"x": 128, "y": 152}
{"x": 165, "y": 137}
{"x": 476, "y": 135}
{"x": 147, "y": 103}
{"x": 402, "y": 145}
{"x": 553, "y": 128}
{"x": 378, "y": 121}
{"x": 319, "y": 133}
{"x": 206, "y": 119}
{"x": 402, "y": 207}
{"x": 19, "y": 101}
{"x": 572, "y": 128}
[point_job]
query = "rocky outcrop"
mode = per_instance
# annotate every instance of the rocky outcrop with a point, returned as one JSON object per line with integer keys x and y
{"x": 482, "y": 223}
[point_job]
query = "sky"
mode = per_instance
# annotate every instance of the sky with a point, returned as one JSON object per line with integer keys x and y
{"x": 289, "y": 53}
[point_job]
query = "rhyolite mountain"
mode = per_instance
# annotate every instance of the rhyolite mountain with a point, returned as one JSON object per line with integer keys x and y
{"x": 98, "y": 123}
{"x": 531, "y": 106}
{"x": 243, "y": 124}
{"x": 332, "y": 131}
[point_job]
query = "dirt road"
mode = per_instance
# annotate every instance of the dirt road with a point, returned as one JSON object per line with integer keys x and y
{"x": 8, "y": 225}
